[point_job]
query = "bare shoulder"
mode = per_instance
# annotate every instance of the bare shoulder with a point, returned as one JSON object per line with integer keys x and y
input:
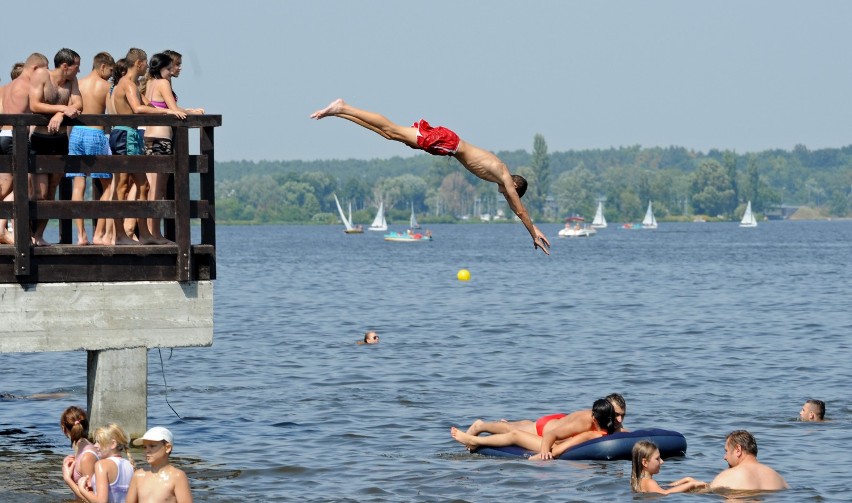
{"x": 39, "y": 77}
{"x": 175, "y": 472}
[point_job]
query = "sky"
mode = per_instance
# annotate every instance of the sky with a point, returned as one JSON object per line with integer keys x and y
{"x": 701, "y": 74}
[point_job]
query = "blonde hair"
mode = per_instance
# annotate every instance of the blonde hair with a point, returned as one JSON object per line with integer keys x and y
{"x": 642, "y": 450}
{"x": 105, "y": 435}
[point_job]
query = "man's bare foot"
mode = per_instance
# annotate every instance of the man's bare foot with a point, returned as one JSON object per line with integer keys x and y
{"x": 464, "y": 439}
{"x": 123, "y": 240}
{"x": 476, "y": 428}
{"x": 153, "y": 240}
{"x": 39, "y": 241}
{"x": 160, "y": 240}
{"x": 6, "y": 238}
{"x": 333, "y": 108}
{"x": 82, "y": 240}
{"x": 100, "y": 240}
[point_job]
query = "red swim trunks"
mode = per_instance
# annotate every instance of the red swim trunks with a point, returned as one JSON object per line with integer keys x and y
{"x": 436, "y": 141}
{"x": 540, "y": 422}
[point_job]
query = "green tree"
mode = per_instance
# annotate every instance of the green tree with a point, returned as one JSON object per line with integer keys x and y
{"x": 541, "y": 167}
{"x": 710, "y": 189}
{"x": 729, "y": 159}
{"x": 457, "y": 194}
{"x": 574, "y": 192}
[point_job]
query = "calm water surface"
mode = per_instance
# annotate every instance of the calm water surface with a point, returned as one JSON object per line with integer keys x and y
{"x": 705, "y": 328}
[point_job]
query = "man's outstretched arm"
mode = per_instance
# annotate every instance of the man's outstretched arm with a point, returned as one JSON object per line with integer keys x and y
{"x": 511, "y": 195}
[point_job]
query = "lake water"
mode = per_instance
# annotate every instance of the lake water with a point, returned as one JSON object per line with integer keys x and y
{"x": 705, "y": 328}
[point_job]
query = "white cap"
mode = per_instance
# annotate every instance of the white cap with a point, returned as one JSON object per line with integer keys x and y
{"x": 155, "y": 434}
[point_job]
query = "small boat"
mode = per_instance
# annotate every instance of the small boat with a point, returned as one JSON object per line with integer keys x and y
{"x": 599, "y": 222}
{"x": 409, "y": 237}
{"x": 379, "y": 223}
{"x": 649, "y": 222}
{"x": 412, "y": 222}
{"x": 576, "y": 227}
{"x": 347, "y": 222}
{"x": 748, "y": 218}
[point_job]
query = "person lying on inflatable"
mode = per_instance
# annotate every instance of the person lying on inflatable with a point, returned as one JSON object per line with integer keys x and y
{"x": 566, "y": 432}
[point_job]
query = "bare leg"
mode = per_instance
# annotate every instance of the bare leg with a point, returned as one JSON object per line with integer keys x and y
{"x": 519, "y": 438}
{"x": 377, "y": 123}
{"x": 158, "y": 183}
{"x": 145, "y": 237}
{"x": 6, "y": 236}
{"x": 44, "y": 189}
{"x": 119, "y": 193}
{"x": 77, "y": 194}
{"x": 502, "y": 426}
{"x": 5, "y": 191}
{"x": 132, "y": 195}
{"x": 100, "y": 236}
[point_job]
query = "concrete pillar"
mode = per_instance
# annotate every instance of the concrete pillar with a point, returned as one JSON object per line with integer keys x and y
{"x": 117, "y": 389}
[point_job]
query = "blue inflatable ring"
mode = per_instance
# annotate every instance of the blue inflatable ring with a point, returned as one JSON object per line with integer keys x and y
{"x": 609, "y": 447}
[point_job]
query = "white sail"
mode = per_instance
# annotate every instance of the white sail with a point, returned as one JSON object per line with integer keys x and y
{"x": 413, "y": 221}
{"x": 748, "y": 218}
{"x": 649, "y": 222}
{"x": 600, "y": 221}
{"x": 346, "y": 222}
{"x": 379, "y": 223}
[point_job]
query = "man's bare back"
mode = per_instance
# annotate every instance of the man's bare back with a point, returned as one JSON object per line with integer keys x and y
{"x": 94, "y": 90}
{"x": 750, "y": 476}
{"x": 16, "y": 96}
{"x": 124, "y": 91}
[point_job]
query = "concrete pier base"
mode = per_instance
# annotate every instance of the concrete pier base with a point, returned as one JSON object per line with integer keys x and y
{"x": 116, "y": 323}
{"x": 118, "y": 388}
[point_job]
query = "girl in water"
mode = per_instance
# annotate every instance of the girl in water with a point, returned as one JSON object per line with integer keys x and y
{"x": 112, "y": 475}
{"x": 646, "y": 464}
{"x": 75, "y": 426}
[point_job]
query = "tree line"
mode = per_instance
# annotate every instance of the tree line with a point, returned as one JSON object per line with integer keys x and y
{"x": 681, "y": 183}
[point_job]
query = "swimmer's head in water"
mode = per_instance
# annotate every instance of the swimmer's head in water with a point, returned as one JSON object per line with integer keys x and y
{"x": 371, "y": 337}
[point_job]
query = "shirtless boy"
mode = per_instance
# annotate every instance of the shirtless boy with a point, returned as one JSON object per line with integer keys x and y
{"x": 553, "y": 436}
{"x": 442, "y": 141}
{"x": 90, "y": 140}
{"x": 16, "y": 100}
{"x": 126, "y": 100}
{"x": 162, "y": 482}
{"x": 55, "y": 93}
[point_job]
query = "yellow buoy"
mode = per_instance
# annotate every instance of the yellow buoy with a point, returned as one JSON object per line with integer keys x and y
{"x": 463, "y": 275}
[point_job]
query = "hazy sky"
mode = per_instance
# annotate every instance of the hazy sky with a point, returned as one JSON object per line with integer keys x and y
{"x": 727, "y": 74}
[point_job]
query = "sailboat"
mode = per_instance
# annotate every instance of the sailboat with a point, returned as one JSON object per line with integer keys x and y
{"x": 347, "y": 222}
{"x": 379, "y": 223}
{"x": 600, "y": 220}
{"x": 748, "y": 218}
{"x": 412, "y": 224}
{"x": 649, "y": 221}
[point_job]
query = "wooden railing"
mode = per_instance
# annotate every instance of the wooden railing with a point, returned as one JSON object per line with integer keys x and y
{"x": 66, "y": 262}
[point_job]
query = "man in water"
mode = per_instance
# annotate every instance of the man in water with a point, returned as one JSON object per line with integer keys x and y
{"x": 813, "y": 410}
{"x": 370, "y": 337}
{"x": 442, "y": 141}
{"x": 745, "y": 472}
